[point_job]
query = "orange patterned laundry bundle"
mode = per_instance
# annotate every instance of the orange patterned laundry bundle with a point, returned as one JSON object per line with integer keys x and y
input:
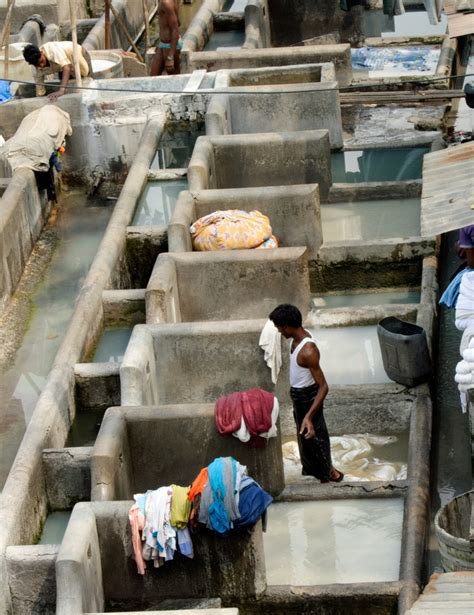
{"x": 232, "y": 229}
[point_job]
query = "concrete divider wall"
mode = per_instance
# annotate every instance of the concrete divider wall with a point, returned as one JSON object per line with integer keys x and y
{"x": 293, "y": 211}
{"x": 340, "y": 55}
{"x": 201, "y": 27}
{"x": 79, "y": 565}
{"x": 261, "y": 159}
{"x": 125, "y": 460}
{"x": 314, "y": 107}
{"x": 23, "y": 212}
{"x": 257, "y": 25}
{"x": 202, "y": 286}
{"x": 171, "y": 363}
{"x": 95, "y": 562}
{"x": 296, "y": 75}
{"x": 24, "y": 503}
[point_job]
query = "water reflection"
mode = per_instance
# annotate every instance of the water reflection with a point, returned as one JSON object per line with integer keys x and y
{"x": 374, "y": 164}
{"x": 112, "y": 345}
{"x": 157, "y": 202}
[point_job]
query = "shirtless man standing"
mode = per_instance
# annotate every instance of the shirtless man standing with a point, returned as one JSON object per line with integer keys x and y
{"x": 169, "y": 47}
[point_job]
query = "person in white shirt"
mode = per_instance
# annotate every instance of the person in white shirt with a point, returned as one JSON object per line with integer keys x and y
{"x": 308, "y": 392}
{"x": 56, "y": 57}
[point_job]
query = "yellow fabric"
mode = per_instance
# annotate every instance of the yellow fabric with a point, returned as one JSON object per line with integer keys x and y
{"x": 230, "y": 230}
{"x": 180, "y": 507}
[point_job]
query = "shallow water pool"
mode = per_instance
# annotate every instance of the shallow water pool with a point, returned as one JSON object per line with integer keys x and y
{"x": 378, "y": 164}
{"x": 374, "y": 219}
{"x": 344, "y": 541}
{"x": 157, "y": 202}
{"x": 54, "y": 528}
{"x": 350, "y": 355}
{"x": 382, "y": 297}
{"x": 112, "y": 345}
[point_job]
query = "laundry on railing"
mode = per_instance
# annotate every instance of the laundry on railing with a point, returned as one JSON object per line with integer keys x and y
{"x": 250, "y": 416}
{"x": 222, "y": 498}
{"x": 232, "y": 229}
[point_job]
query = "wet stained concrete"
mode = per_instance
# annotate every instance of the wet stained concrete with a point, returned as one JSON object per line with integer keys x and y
{"x": 451, "y": 440}
{"x": 32, "y": 328}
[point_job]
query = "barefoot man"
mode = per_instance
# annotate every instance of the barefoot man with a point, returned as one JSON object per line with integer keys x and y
{"x": 167, "y": 52}
{"x": 308, "y": 391}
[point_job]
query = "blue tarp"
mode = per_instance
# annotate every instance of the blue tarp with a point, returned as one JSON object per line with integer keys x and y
{"x": 5, "y": 93}
{"x": 393, "y": 59}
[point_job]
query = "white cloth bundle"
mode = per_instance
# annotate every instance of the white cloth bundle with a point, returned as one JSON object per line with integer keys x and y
{"x": 270, "y": 342}
{"x": 465, "y": 369}
{"x": 465, "y": 302}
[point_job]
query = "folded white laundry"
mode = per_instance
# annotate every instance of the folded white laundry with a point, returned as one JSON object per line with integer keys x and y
{"x": 464, "y": 378}
{"x": 468, "y": 355}
{"x": 464, "y": 367}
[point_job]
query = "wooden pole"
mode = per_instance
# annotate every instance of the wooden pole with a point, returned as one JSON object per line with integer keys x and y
{"x": 75, "y": 47}
{"x": 146, "y": 19}
{"x": 5, "y": 36}
{"x": 107, "y": 24}
{"x": 125, "y": 31}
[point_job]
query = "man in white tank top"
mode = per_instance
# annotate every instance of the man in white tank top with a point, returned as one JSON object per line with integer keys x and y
{"x": 308, "y": 392}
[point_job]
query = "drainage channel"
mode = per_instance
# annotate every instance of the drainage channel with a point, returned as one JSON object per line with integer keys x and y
{"x": 47, "y": 300}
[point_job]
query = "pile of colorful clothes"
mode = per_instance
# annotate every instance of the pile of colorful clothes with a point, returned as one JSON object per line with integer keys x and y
{"x": 249, "y": 415}
{"x": 232, "y": 229}
{"x": 222, "y": 498}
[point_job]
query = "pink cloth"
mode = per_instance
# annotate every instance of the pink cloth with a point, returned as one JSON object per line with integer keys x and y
{"x": 137, "y": 523}
{"x": 253, "y": 406}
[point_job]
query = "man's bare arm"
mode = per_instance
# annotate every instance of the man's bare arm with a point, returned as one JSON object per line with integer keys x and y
{"x": 66, "y": 75}
{"x": 309, "y": 357}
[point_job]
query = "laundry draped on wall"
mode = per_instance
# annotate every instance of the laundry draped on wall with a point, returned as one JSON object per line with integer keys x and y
{"x": 250, "y": 416}
{"x": 222, "y": 498}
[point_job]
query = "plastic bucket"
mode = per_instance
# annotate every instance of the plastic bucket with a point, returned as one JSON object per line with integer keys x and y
{"x": 404, "y": 351}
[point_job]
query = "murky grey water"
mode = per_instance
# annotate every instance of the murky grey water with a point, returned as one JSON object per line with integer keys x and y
{"x": 375, "y": 219}
{"x": 362, "y": 299}
{"x": 345, "y": 541}
{"x": 112, "y": 345}
{"x": 374, "y": 164}
{"x": 412, "y": 23}
{"x": 157, "y": 202}
{"x": 176, "y": 147}
{"x": 231, "y": 38}
{"x": 80, "y": 225}
{"x": 54, "y": 528}
{"x": 350, "y": 355}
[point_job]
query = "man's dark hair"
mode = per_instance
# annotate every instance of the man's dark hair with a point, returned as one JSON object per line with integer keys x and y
{"x": 32, "y": 54}
{"x": 286, "y": 315}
